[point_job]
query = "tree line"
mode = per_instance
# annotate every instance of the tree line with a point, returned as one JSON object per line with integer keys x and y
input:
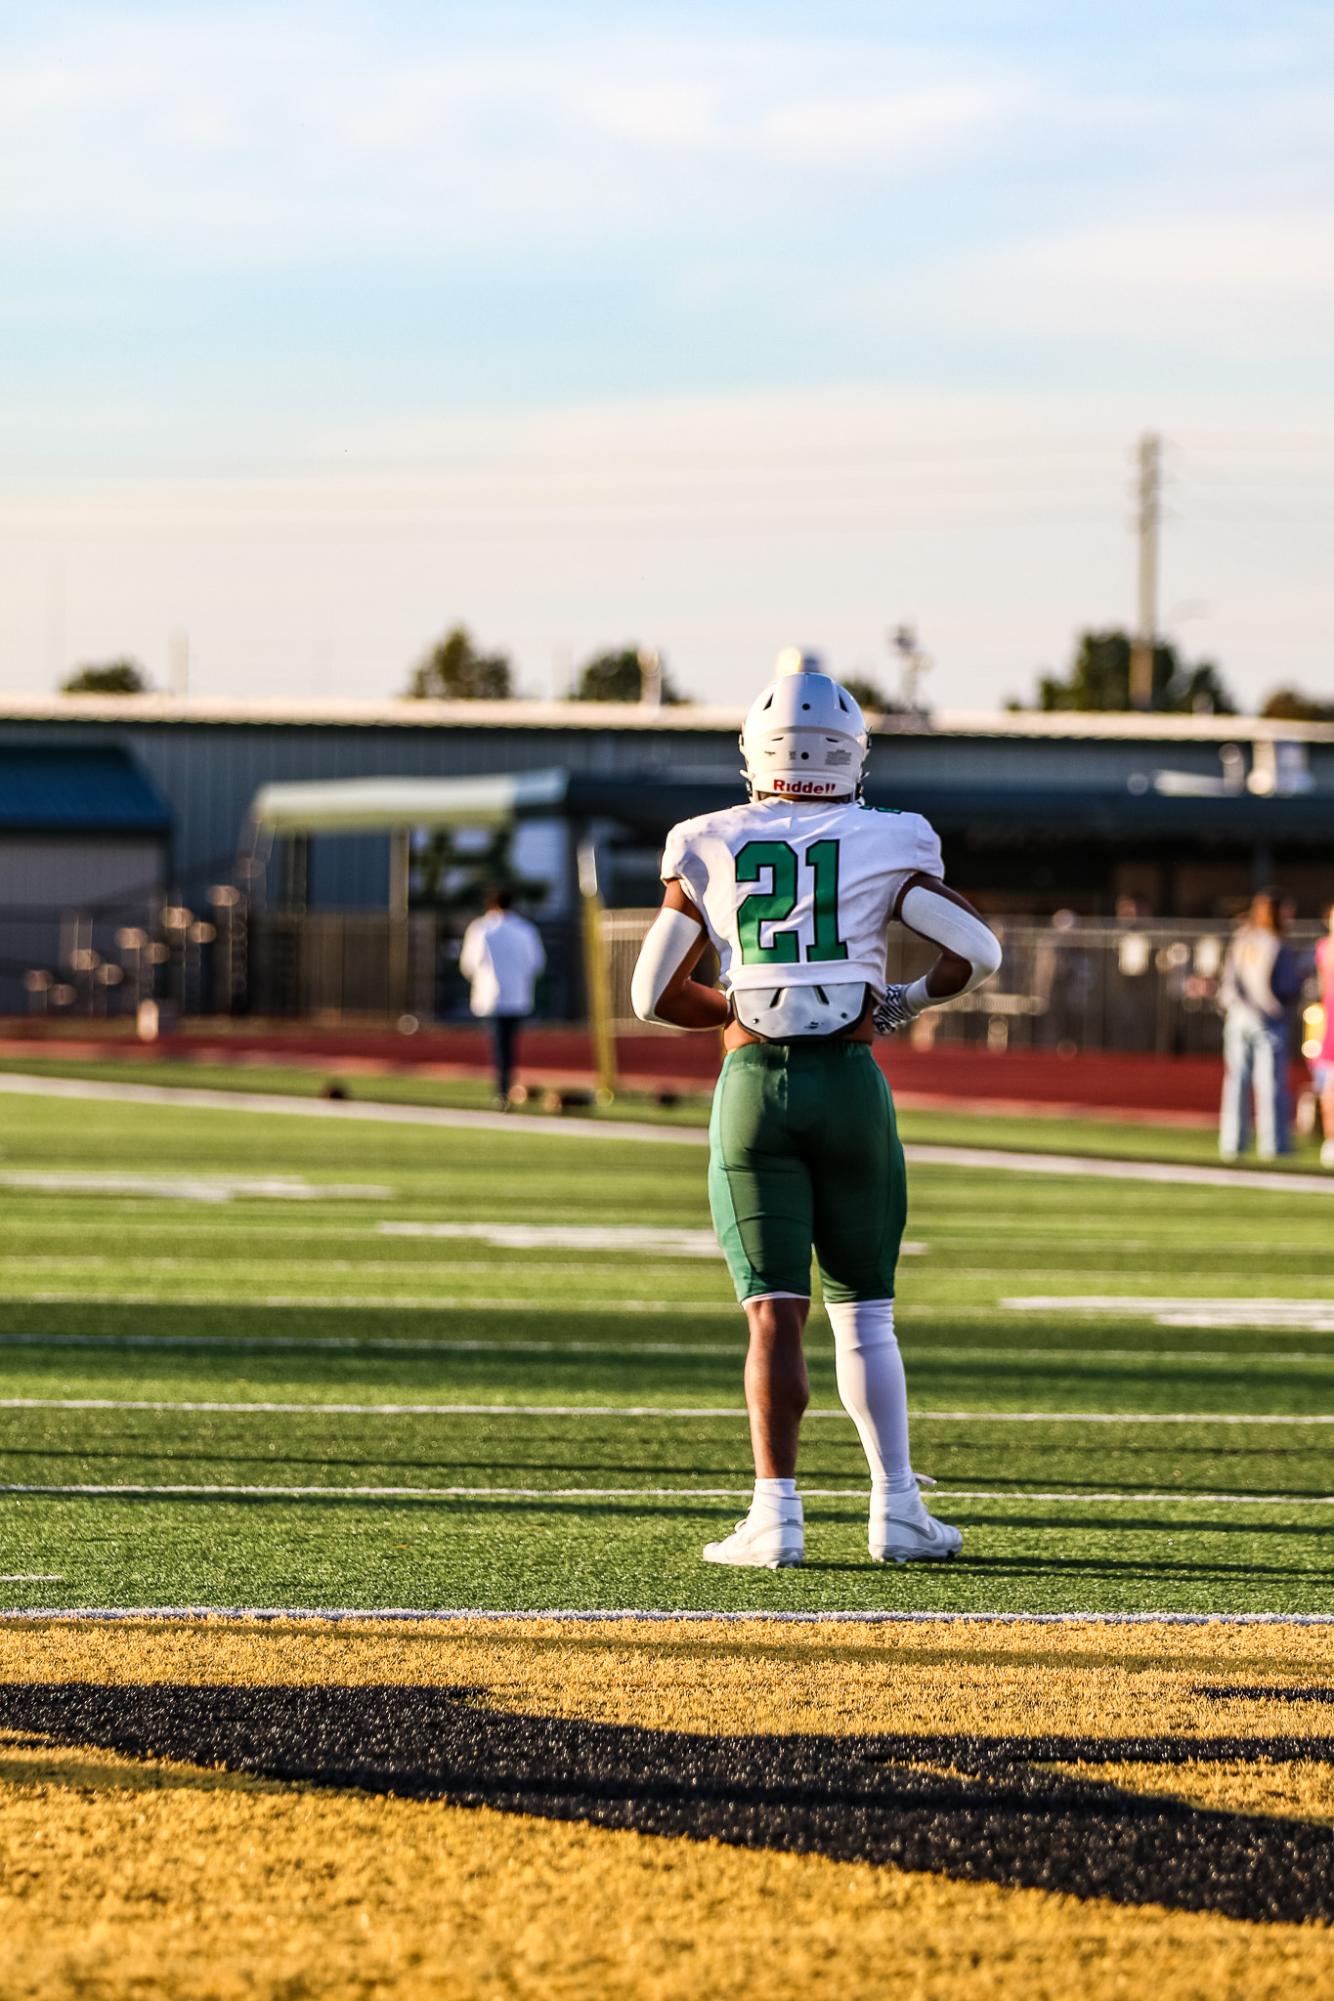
{"x": 457, "y": 669}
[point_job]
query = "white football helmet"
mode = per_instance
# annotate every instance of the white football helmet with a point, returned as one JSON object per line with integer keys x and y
{"x": 804, "y": 736}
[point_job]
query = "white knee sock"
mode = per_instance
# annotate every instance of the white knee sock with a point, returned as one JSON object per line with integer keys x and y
{"x": 872, "y": 1388}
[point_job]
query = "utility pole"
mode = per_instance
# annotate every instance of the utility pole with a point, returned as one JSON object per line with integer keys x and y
{"x": 913, "y": 666}
{"x": 650, "y": 677}
{"x": 178, "y": 669}
{"x": 1148, "y": 520}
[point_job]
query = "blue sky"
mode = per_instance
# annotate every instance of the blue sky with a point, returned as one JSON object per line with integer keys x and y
{"x": 709, "y": 326}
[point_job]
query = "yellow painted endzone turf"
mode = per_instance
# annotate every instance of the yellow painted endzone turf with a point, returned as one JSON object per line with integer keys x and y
{"x": 122, "y": 1881}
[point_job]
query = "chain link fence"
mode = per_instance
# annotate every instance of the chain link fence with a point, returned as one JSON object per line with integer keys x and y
{"x": 1146, "y": 987}
{"x": 1064, "y": 984}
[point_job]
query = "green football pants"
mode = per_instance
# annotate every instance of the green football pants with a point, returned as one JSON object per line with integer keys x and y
{"x": 804, "y": 1153}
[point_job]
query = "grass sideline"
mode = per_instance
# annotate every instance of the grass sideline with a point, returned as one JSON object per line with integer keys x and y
{"x": 1047, "y": 1132}
{"x": 559, "y": 1496}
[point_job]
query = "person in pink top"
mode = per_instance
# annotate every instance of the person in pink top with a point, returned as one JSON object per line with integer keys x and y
{"x": 1323, "y": 1066}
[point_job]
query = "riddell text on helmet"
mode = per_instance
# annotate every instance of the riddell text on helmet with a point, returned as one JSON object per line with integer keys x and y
{"x": 817, "y": 786}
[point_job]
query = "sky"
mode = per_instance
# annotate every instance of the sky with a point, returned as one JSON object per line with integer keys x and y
{"x": 715, "y": 328}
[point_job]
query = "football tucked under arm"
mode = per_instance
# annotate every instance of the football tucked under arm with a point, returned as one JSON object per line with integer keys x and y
{"x": 970, "y": 953}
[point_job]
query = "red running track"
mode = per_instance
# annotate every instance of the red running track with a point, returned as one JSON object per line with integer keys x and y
{"x": 1139, "y": 1087}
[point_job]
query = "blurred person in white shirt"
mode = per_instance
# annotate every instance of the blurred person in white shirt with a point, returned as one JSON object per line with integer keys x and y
{"x": 501, "y": 958}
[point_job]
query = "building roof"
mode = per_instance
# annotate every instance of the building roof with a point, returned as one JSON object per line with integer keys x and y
{"x": 99, "y": 789}
{"x": 650, "y": 803}
{"x": 630, "y": 717}
{"x": 368, "y": 805}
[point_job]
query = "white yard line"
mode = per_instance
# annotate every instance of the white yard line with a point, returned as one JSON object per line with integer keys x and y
{"x": 241, "y": 1490}
{"x": 1242, "y": 1358}
{"x": 642, "y": 1238}
{"x": 356, "y": 1345}
{"x": 629, "y": 1615}
{"x": 433, "y": 1115}
{"x": 1148, "y": 1303}
{"x": 1288, "y": 1316}
{"x": 654, "y": 1412}
{"x": 240, "y": 1254}
{"x": 1285, "y": 1317}
{"x": 1090, "y": 1166}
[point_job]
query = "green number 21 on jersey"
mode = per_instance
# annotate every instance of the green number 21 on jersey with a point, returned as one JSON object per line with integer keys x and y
{"x": 774, "y": 905}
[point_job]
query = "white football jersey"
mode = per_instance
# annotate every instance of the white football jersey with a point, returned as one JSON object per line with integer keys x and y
{"x": 799, "y": 893}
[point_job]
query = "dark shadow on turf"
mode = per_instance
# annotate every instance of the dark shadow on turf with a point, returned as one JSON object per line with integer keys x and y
{"x": 976, "y": 1809}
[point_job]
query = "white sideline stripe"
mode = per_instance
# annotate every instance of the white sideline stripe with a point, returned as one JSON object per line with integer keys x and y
{"x": 1244, "y": 1358}
{"x": 381, "y": 1301}
{"x": 355, "y": 1110}
{"x": 190, "y": 1188}
{"x": 499, "y": 1122}
{"x": 238, "y": 1490}
{"x": 331, "y": 1614}
{"x": 31, "y": 1577}
{"x": 354, "y": 1344}
{"x": 654, "y": 1411}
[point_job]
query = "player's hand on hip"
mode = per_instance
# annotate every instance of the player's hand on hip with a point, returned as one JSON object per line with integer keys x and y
{"x": 893, "y": 1011}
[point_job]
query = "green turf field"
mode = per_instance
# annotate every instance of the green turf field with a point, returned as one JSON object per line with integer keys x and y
{"x": 260, "y": 1395}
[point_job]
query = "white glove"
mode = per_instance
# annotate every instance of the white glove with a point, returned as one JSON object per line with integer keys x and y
{"x": 894, "y": 1011}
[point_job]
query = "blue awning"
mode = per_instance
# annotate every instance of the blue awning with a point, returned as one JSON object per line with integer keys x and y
{"x": 99, "y": 790}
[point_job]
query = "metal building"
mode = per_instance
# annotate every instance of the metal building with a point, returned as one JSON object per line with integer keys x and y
{"x": 84, "y": 853}
{"x": 1036, "y": 810}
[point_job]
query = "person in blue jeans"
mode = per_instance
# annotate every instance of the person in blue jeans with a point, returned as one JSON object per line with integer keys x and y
{"x": 501, "y": 958}
{"x": 1260, "y": 982}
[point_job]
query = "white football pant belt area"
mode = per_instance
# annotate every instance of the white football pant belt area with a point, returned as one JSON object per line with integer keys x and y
{"x": 945, "y": 923}
{"x": 671, "y": 936}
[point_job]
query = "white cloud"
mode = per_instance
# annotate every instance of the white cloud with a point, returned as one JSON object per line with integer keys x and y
{"x": 258, "y": 130}
{"x": 1234, "y": 288}
{"x": 896, "y": 128}
{"x": 718, "y": 527}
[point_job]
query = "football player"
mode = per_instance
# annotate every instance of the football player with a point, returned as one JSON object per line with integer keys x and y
{"x": 795, "y": 891}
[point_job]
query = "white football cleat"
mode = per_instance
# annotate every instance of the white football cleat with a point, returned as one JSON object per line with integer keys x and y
{"x": 764, "y": 1542}
{"x": 903, "y": 1532}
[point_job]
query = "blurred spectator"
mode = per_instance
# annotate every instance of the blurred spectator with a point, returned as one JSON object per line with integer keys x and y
{"x": 501, "y": 958}
{"x": 1132, "y": 992}
{"x": 1323, "y": 1066}
{"x": 1260, "y": 982}
{"x": 1064, "y": 982}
